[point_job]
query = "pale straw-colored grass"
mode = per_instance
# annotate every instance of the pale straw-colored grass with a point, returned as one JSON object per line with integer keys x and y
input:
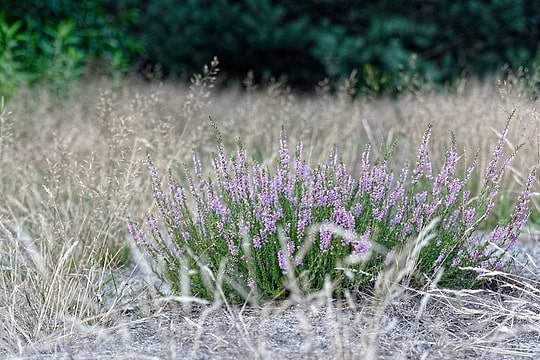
{"x": 72, "y": 174}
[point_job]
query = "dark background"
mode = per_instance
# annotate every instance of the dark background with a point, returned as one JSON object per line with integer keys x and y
{"x": 305, "y": 41}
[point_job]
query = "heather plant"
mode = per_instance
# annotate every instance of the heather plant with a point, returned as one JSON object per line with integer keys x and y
{"x": 260, "y": 223}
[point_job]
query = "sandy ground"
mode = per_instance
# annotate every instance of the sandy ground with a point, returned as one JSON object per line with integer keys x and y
{"x": 475, "y": 325}
{"x": 300, "y": 333}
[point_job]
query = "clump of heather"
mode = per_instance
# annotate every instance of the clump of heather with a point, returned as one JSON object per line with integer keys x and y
{"x": 263, "y": 223}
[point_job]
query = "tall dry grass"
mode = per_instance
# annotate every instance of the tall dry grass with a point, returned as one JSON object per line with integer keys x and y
{"x": 71, "y": 175}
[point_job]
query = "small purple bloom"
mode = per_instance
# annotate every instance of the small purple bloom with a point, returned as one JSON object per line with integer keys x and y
{"x": 136, "y": 233}
{"x": 152, "y": 223}
{"x": 325, "y": 235}
{"x": 257, "y": 243}
{"x": 363, "y": 244}
{"x": 468, "y": 217}
{"x": 423, "y": 165}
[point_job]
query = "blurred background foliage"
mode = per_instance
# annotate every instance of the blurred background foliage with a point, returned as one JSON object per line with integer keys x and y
{"x": 389, "y": 42}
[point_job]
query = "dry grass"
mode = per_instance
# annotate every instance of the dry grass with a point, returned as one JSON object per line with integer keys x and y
{"x": 71, "y": 176}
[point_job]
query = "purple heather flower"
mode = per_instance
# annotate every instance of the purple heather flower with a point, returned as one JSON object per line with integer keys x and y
{"x": 430, "y": 209}
{"x": 466, "y": 196}
{"x": 302, "y": 172}
{"x": 398, "y": 216}
{"x": 159, "y": 195}
{"x": 498, "y": 235}
{"x": 290, "y": 247}
{"x": 250, "y": 283}
{"x": 521, "y": 212}
{"x": 418, "y": 218}
{"x": 451, "y": 221}
{"x": 398, "y": 192}
{"x": 447, "y": 171}
{"x": 491, "y": 198}
{"x": 377, "y": 194}
{"x": 406, "y": 230}
{"x": 282, "y": 260}
{"x": 344, "y": 182}
{"x": 453, "y": 191}
{"x": 241, "y": 158}
{"x": 257, "y": 242}
{"x": 233, "y": 249}
{"x": 360, "y": 248}
{"x": 256, "y": 178}
{"x": 499, "y": 175}
{"x": 362, "y": 245}
{"x": 186, "y": 236}
{"x": 420, "y": 198}
{"x": 357, "y": 209}
{"x": 319, "y": 192}
{"x": 343, "y": 218}
{"x": 379, "y": 213}
{"x": 471, "y": 168}
{"x": 152, "y": 223}
{"x": 175, "y": 212}
{"x": 217, "y": 206}
{"x": 201, "y": 205}
{"x": 497, "y": 154}
{"x": 475, "y": 254}
{"x": 178, "y": 193}
{"x": 423, "y": 165}
{"x": 381, "y": 181}
{"x": 304, "y": 216}
{"x": 221, "y": 165}
{"x": 325, "y": 234}
{"x": 136, "y": 233}
{"x": 220, "y": 228}
{"x": 333, "y": 198}
{"x": 238, "y": 184}
{"x": 468, "y": 217}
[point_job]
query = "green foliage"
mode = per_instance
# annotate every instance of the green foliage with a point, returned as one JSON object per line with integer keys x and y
{"x": 10, "y": 53}
{"x": 258, "y": 225}
{"x": 55, "y": 41}
{"x": 310, "y": 40}
{"x": 246, "y": 34}
{"x": 395, "y": 46}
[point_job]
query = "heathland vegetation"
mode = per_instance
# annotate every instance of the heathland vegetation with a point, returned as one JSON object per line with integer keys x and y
{"x": 346, "y": 184}
{"x": 314, "y": 204}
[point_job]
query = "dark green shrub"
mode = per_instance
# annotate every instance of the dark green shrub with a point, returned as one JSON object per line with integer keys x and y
{"x": 55, "y": 41}
{"x": 247, "y": 35}
{"x": 309, "y": 40}
{"x": 304, "y": 40}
